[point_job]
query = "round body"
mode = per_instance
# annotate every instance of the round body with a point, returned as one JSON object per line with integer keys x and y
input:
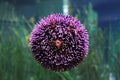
{"x": 59, "y": 42}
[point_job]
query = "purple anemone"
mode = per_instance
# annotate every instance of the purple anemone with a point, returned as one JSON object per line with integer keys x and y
{"x": 59, "y": 42}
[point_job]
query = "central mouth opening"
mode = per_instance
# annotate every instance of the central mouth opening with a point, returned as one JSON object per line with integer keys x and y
{"x": 58, "y": 43}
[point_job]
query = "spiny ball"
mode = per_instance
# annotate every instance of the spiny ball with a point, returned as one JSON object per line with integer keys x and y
{"x": 59, "y": 42}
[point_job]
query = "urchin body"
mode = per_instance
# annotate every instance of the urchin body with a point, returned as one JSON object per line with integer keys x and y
{"x": 59, "y": 42}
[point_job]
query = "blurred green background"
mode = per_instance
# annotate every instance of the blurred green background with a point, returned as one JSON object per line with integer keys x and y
{"x": 16, "y": 61}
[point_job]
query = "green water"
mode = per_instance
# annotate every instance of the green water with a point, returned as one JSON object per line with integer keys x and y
{"x": 17, "y": 62}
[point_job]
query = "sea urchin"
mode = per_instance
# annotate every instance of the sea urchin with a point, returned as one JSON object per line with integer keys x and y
{"x": 59, "y": 42}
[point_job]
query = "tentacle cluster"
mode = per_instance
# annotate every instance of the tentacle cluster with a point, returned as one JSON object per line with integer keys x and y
{"x": 59, "y": 42}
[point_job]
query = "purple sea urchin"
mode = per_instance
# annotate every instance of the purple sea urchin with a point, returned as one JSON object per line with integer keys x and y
{"x": 59, "y": 42}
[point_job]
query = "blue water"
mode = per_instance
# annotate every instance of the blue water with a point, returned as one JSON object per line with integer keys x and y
{"x": 108, "y": 10}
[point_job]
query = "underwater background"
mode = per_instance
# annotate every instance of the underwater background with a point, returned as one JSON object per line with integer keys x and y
{"x": 101, "y": 18}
